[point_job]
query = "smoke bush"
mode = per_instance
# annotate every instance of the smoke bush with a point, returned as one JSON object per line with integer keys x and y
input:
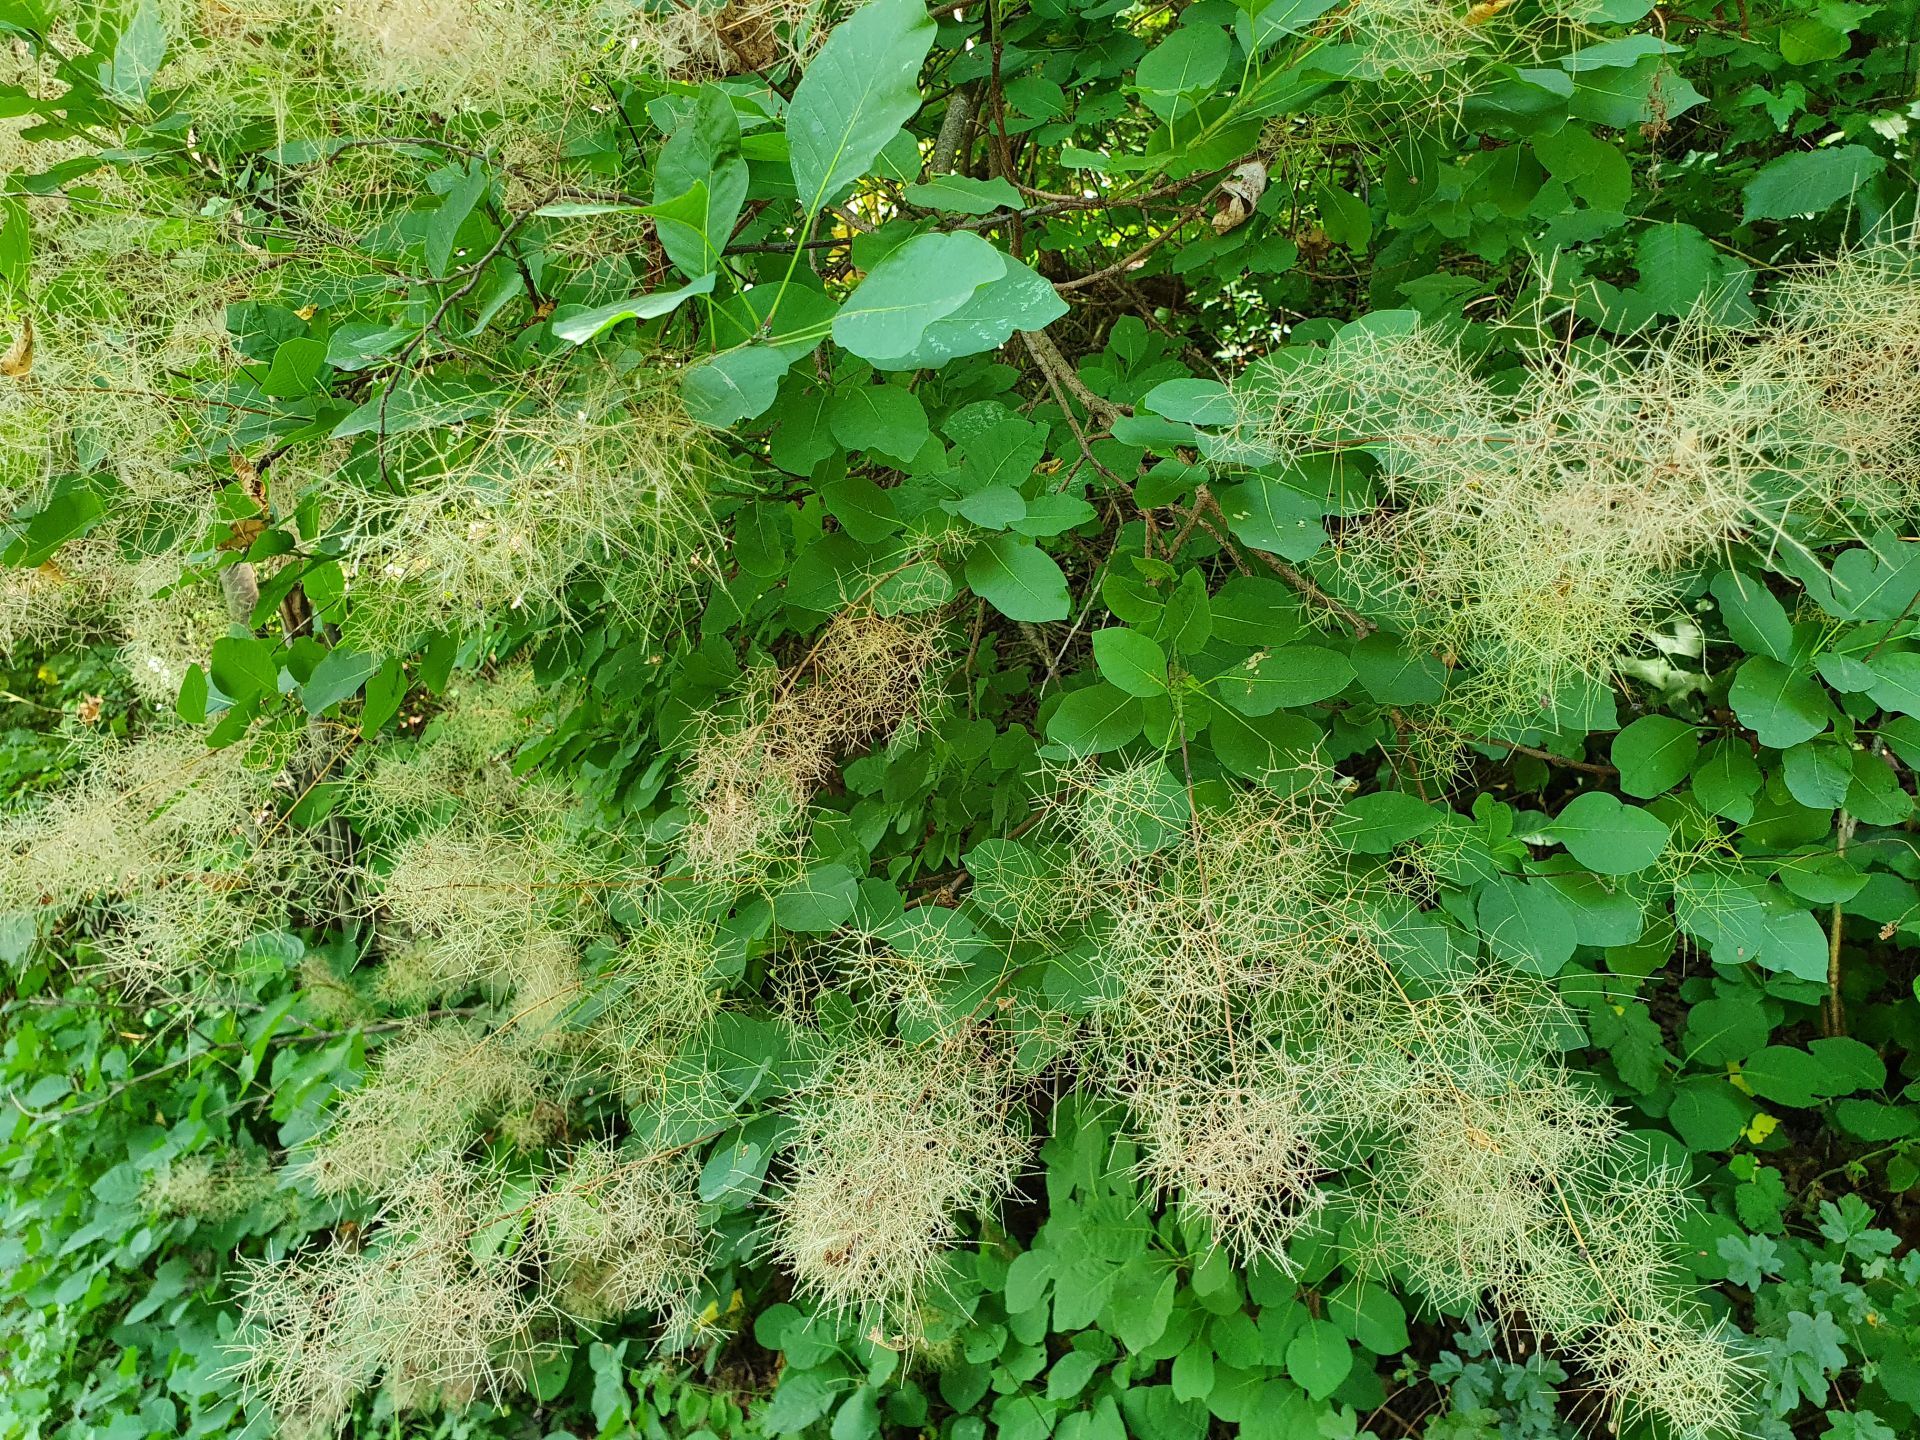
{"x": 893, "y": 1145}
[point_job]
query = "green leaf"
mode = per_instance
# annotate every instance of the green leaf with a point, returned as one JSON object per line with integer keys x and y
{"x": 1267, "y": 748}
{"x": 861, "y": 506}
{"x": 296, "y": 368}
{"x": 1785, "y": 1075}
{"x": 1707, "y": 1113}
{"x": 1371, "y": 1314}
{"x": 1345, "y": 217}
{"x": 1619, "y": 96}
{"x": 1725, "y": 779}
{"x": 1184, "y": 65}
{"x": 417, "y": 402}
{"x": 1274, "y": 517}
{"x": 1284, "y": 678}
{"x": 1198, "y": 402}
{"x": 243, "y": 667}
{"x": 803, "y": 1397}
{"x": 1590, "y": 167}
{"x": 191, "y": 703}
{"x": 1808, "y": 182}
{"x": 1848, "y": 1065}
{"x": 1319, "y": 1358}
{"x": 1807, "y": 40}
{"x": 1628, "y": 50}
{"x": 338, "y": 676}
{"x": 1094, "y": 720}
{"x": 1021, "y": 581}
{"x": 1677, "y": 268}
{"x": 385, "y": 691}
{"x": 1607, "y": 836}
{"x": 1130, "y": 660}
{"x": 734, "y": 385}
{"x": 1896, "y": 681}
{"x": 963, "y": 195}
{"x": 137, "y": 54}
{"x": 917, "y": 283}
{"x": 855, "y": 95}
{"x": 1192, "y": 1375}
{"x": 67, "y": 516}
{"x": 858, "y": 1416}
{"x": 1070, "y": 1374}
{"x": 887, "y": 419}
{"x": 1793, "y": 943}
{"x": 471, "y": 182}
{"x": 1374, "y": 824}
{"x": 1755, "y": 619}
{"x": 1259, "y": 26}
{"x": 1818, "y": 773}
{"x": 699, "y": 183}
{"x": 1527, "y": 925}
{"x": 1017, "y": 299}
{"x": 1052, "y": 513}
{"x": 1654, "y": 754}
{"x": 1251, "y": 611}
{"x": 1780, "y": 706}
{"x": 16, "y": 250}
{"x": 1140, "y": 1306}
{"x": 578, "y": 325}
{"x": 994, "y": 508}
{"x": 819, "y": 901}
{"x": 1726, "y": 1027}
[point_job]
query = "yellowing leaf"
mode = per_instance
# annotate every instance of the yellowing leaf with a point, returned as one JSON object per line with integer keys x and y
{"x": 19, "y": 357}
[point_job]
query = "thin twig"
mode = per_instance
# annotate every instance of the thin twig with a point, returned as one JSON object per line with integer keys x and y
{"x": 1354, "y": 621}
{"x": 1589, "y": 767}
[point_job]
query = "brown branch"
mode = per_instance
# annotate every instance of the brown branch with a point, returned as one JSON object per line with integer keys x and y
{"x": 1588, "y": 767}
{"x": 1062, "y": 374}
{"x": 1129, "y": 262}
{"x": 1354, "y": 621}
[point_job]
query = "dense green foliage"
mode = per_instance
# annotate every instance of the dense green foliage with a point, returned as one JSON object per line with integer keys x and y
{"x": 1044, "y": 718}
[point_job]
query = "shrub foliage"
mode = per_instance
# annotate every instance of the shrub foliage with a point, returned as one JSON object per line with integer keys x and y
{"x": 799, "y": 718}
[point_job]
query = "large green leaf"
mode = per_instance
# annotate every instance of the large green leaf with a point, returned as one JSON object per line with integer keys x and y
{"x": 734, "y": 385}
{"x": 1273, "y": 516}
{"x": 1285, "y": 677}
{"x": 1527, "y": 925}
{"x": 963, "y": 195}
{"x": 904, "y": 315}
{"x": 1781, "y": 706}
{"x": 1654, "y": 754}
{"x": 854, "y": 97}
{"x": 1607, "y": 836}
{"x": 1130, "y": 660}
{"x": 1181, "y": 67}
{"x": 1098, "y": 718}
{"x": 417, "y": 402}
{"x": 888, "y": 419}
{"x": 1021, "y": 581}
{"x": 1808, "y": 181}
{"x": 1319, "y": 1358}
{"x": 917, "y": 283}
{"x": 699, "y": 183}
{"x": 137, "y": 53}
